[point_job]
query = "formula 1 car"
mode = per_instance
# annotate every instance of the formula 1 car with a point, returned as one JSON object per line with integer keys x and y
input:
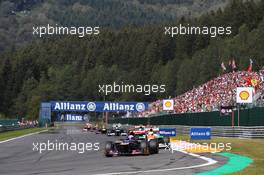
{"x": 117, "y": 132}
{"x": 123, "y": 132}
{"x": 162, "y": 141}
{"x": 111, "y": 133}
{"x": 128, "y": 147}
{"x": 120, "y": 132}
{"x": 87, "y": 127}
{"x": 103, "y": 130}
{"x": 93, "y": 128}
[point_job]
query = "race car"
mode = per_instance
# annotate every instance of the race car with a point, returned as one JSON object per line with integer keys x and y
{"x": 117, "y": 131}
{"x": 123, "y": 132}
{"x": 120, "y": 132}
{"x": 94, "y": 129}
{"x": 98, "y": 131}
{"x": 139, "y": 128}
{"x": 151, "y": 134}
{"x": 111, "y": 133}
{"x": 103, "y": 131}
{"x": 87, "y": 127}
{"x": 131, "y": 147}
{"x": 163, "y": 141}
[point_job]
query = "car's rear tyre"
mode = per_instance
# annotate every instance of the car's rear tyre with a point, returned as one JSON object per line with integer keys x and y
{"x": 144, "y": 147}
{"x": 108, "y": 148}
{"x": 153, "y": 146}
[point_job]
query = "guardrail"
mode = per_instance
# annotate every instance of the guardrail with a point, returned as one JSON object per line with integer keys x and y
{"x": 12, "y": 128}
{"x": 220, "y": 131}
{"x": 9, "y": 128}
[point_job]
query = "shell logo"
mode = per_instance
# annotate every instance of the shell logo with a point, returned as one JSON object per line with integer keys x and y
{"x": 168, "y": 104}
{"x": 244, "y": 95}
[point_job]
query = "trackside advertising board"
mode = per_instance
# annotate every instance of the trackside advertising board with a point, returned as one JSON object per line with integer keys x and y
{"x": 200, "y": 133}
{"x": 168, "y": 105}
{"x": 167, "y": 132}
{"x": 73, "y": 117}
{"x": 245, "y": 95}
{"x": 85, "y": 106}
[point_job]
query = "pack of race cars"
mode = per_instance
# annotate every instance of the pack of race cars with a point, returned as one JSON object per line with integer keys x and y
{"x": 138, "y": 140}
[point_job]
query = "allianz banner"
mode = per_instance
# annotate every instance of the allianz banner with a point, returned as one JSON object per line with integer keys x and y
{"x": 167, "y": 132}
{"x": 85, "y": 106}
{"x": 73, "y": 117}
{"x": 200, "y": 133}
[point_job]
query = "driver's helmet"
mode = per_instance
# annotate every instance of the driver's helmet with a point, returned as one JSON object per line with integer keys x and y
{"x": 131, "y": 136}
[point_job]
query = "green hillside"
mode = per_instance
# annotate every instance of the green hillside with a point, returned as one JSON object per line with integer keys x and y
{"x": 18, "y": 17}
{"x": 71, "y": 68}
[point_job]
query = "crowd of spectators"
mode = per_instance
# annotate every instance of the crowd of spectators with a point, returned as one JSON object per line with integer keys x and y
{"x": 220, "y": 91}
{"x": 28, "y": 123}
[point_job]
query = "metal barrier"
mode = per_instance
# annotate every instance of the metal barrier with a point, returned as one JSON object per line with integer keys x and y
{"x": 220, "y": 131}
{"x": 9, "y": 128}
{"x": 13, "y": 128}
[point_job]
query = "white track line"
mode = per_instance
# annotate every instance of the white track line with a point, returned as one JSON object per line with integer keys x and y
{"x": 208, "y": 160}
{"x": 14, "y": 138}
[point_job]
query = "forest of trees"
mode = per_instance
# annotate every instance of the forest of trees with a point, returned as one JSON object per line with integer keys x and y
{"x": 18, "y": 16}
{"x": 70, "y": 68}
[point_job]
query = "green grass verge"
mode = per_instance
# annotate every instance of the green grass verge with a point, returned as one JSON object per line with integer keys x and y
{"x": 10, "y": 134}
{"x": 253, "y": 148}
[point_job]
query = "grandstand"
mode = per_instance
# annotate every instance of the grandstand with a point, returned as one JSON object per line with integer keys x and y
{"x": 220, "y": 91}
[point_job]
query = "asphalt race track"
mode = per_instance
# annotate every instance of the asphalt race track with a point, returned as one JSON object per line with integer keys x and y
{"x": 18, "y": 158}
